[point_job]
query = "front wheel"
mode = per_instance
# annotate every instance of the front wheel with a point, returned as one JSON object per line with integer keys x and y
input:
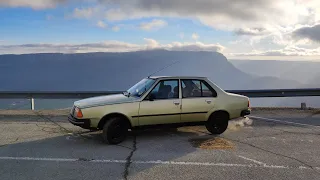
{"x": 217, "y": 124}
{"x": 115, "y": 130}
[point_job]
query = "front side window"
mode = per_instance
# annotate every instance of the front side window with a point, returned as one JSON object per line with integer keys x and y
{"x": 196, "y": 88}
{"x": 141, "y": 87}
{"x": 166, "y": 89}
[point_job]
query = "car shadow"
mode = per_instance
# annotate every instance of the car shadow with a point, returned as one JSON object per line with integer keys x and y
{"x": 151, "y": 144}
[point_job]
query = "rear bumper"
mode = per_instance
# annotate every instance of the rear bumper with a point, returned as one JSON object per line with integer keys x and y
{"x": 84, "y": 123}
{"x": 245, "y": 112}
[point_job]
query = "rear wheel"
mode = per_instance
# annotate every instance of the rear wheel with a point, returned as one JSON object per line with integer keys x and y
{"x": 218, "y": 123}
{"x": 115, "y": 130}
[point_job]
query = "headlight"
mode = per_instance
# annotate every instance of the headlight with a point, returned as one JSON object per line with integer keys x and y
{"x": 77, "y": 112}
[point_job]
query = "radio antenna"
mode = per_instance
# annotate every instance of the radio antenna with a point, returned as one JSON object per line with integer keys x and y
{"x": 163, "y": 68}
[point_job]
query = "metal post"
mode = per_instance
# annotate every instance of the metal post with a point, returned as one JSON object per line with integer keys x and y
{"x": 32, "y": 104}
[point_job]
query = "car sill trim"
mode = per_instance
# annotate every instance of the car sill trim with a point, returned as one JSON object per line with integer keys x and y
{"x": 172, "y": 114}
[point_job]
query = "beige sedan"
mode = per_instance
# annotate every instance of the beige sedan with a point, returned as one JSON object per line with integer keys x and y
{"x": 160, "y": 101}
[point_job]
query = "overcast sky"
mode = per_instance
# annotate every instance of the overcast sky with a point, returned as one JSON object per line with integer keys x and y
{"x": 240, "y": 29}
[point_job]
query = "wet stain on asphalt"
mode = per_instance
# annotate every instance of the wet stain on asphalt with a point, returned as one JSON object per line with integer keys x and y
{"x": 211, "y": 143}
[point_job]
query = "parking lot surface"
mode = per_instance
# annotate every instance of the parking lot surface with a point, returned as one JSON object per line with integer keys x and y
{"x": 269, "y": 144}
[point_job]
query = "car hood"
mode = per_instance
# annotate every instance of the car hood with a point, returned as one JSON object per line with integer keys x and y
{"x": 104, "y": 100}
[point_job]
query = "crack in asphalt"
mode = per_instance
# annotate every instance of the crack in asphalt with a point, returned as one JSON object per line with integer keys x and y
{"x": 281, "y": 133}
{"x": 128, "y": 159}
{"x": 124, "y": 147}
{"x": 265, "y": 135}
{"x": 282, "y": 155}
{"x": 64, "y": 129}
{"x": 49, "y": 119}
{"x": 278, "y": 154}
{"x": 309, "y": 133}
{"x": 61, "y": 128}
{"x": 3, "y": 145}
{"x": 313, "y": 114}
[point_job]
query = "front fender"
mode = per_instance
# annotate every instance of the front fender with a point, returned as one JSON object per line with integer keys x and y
{"x": 126, "y": 109}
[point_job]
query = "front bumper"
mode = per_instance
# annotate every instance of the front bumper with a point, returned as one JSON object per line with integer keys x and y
{"x": 245, "y": 112}
{"x": 84, "y": 123}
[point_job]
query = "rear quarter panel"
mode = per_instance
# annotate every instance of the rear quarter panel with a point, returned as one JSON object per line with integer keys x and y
{"x": 233, "y": 104}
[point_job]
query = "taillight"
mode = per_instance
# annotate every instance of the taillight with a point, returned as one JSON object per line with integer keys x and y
{"x": 78, "y": 112}
{"x": 248, "y": 103}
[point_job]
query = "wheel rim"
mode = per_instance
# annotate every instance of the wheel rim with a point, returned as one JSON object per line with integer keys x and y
{"x": 219, "y": 125}
{"x": 117, "y": 132}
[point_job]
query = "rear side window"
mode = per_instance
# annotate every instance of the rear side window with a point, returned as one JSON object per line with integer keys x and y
{"x": 196, "y": 88}
{"x": 207, "y": 90}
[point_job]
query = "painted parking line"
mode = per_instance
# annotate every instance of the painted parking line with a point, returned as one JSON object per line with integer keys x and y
{"x": 252, "y": 160}
{"x": 282, "y": 121}
{"x": 256, "y": 164}
{"x": 38, "y": 159}
{"x": 268, "y": 166}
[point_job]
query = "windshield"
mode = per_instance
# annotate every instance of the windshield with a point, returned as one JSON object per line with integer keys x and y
{"x": 141, "y": 87}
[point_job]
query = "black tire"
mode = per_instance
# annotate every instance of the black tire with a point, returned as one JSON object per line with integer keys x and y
{"x": 217, "y": 123}
{"x": 115, "y": 130}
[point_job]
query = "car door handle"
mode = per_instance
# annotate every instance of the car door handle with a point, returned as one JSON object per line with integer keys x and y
{"x": 208, "y": 101}
{"x": 176, "y": 102}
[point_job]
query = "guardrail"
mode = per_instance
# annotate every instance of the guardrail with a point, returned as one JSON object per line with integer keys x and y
{"x": 53, "y": 94}
{"x": 278, "y": 92}
{"x": 260, "y": 93}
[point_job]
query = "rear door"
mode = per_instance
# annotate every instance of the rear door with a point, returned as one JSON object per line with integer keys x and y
{"x": 198, "y": 97}
{"x": 164, "y": 106}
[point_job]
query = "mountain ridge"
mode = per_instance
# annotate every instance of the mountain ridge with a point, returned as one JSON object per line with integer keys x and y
{"x": 47, "y": 68}
{"x": 301, "y": 71}
{"x": 116, "y": 71}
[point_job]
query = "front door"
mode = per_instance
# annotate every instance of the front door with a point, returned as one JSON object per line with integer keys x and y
{"x": 162, "y": 105}
{"x": 198, "y": 99}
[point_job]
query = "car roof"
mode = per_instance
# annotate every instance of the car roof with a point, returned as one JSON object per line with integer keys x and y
{"x": 177, "y": 77}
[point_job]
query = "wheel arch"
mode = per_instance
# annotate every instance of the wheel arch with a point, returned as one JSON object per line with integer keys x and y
{"x": 107, "y": 117}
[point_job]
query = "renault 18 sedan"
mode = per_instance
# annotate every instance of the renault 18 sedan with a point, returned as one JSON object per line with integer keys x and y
{"x": 159, "y": 102}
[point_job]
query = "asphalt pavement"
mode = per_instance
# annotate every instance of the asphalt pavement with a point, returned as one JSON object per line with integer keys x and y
{"x": 269, "y": 144}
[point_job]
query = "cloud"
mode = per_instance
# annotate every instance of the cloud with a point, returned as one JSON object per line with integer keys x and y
{"x": 228, "y": 14}
{"x": 251, "y": 31}
{"x": 259, "y": 23}
{"x": 151, "y": 43}
{"x": 154, "y": 24}
{"x": 195, "y": 36}
{"x": 107, "y": 46}
{"x": 288, "y": 51}
{"x": 35, "y": 4}
{"x": 101, "y": 24}
{"x": 227, "y": 8}
{"x": 85, "y": 13}
{"x": 116, "y": 28}
{"x": 260, "y": 19}
{"x": 198, "y": 46}
{"x": 308, "y": 32}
